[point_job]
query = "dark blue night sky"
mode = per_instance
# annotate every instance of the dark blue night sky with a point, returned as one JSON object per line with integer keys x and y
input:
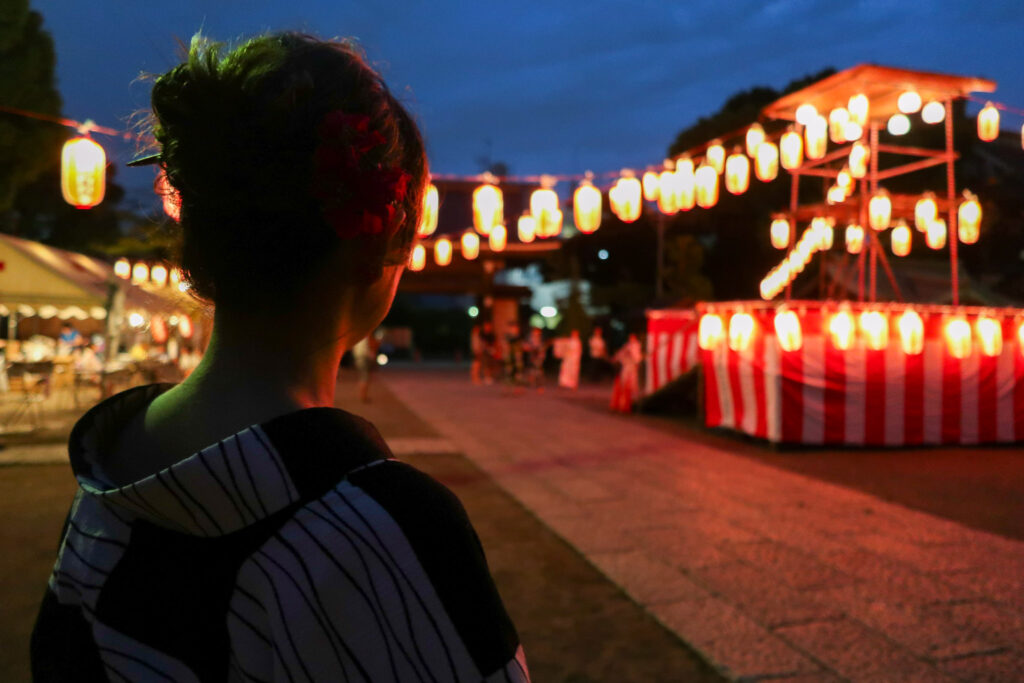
{"x": 557, "y": 87}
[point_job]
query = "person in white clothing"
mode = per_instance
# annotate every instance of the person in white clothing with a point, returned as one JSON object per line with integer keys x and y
{"x": 572, "y": 352}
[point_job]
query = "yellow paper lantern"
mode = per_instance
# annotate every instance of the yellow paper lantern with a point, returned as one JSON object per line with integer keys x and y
{"x": 418, "y": 258}
{"x": 123, "y": 268}
{"x": 990, "y": 335}
{"x": 176, "y": 277}
{"x": 544, "y": 208}
{"x": 835, "y": 195}
{"x": 791, "y": 149}
{"x": 822, "y": 233}
{"x": 969, "y": 218}
{"x": 860, "y": 154}
{"x": 898, "y": 124}
{"x": 586, "y": 207}
{"x": 498, "y": 238}
{"x": 787, "y": 330}
{"x": 880, "y": 210}
{"x": 709, "y": 331}
{"x": 935, "y": 234}
{"x": 527, "y": 228}
{"x": 741, "y": 331}
{"x": 1020, "y": 336}
{"x": 766, "y": 162}
{"x": 911, "y": 329}
{"x": 625, "y": 197}
{"x": 859, "y": 107}
{"x": 844, "y": 179}
{"x": 671, "y": 190}
{"x": 140, "y": 273}
{"x": 707, "y": 186}
{"x": 686, "y": 183}
{"x": 805, "y": 113}
{"x": 854, "y": 238}
{"x": 715, "y": 156}
{"x": 470, "y": 244}
{"x": 780, "y": 232}
{"x": 841, "y": 330}
{"x": 431, "y": 204}
{"x": 488, "y": 206}
{"x": 737, "y": 172}
{"x": 933, "y": 112}
{"x": 816, "y": 137}
{"x": 443, "y": 250}
{"x": 158, "y": 275}
{"x": 83, "y": 173}
{"x": 909, "y": 102}
{"x": 874, "y": 327}
{"x": 754, "y": 137}
{"x": 853, "y": 131}
{"x": 901, "y": 239}
{"x": 988, "y": 123}
{"x": 958, "y": 337}
{"x": 651, "y": 186}
{"x": 837, "y": 120}
{"x": 925, "y": 211}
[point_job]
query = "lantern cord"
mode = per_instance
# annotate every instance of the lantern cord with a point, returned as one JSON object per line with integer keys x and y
{"x": 86, "y": 127}
{"x": 998, "y": 105}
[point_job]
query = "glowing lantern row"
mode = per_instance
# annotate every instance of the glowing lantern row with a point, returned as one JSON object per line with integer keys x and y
{"x": 443, "y": 251}
{"x": 791, "y": 149}
{"x": 859, "y": 156}
{"x": 83, "y": 173}
{"x": 969, "y": 218}
{"x": 431, "y": 203}
{"x": 709, "y": 331}
{"x": 854, "y": 239}
{"x": 766, "y": 163}
{"x": 835, "y": 195}
{"x": 123, "y": 268}
{"x": 685, "y": 183}
{"x": 544, "y": 209}
{"x": 822, "y": 233}
{"x": 925, "y": 211}
{"x": 816, "y": 137}
{"x": 737, "y": 172}
{"x": 933, "y": 112}
{"x": 418, "y": 258}
{"x": 844, "y": 179}
{"x": 787, "y": 329}
{"x": 741, "y": 331}
{"x": 874, "y": 327}
{"x": 911, "y": 329}
{"x": 715, "y": 156}
{"x": 880, "y": 210}
{"x": 958, "y": 337}
{"x": 586, "y": 207}
{"x": 858, "y": 106}
{"x": 988, "y": 123}
{"x": 625, "y": 197}
{"x": 841, "y": 329}
{"x": 909, "y": 102}
{"x": 470, "y": 244}
{"x": 853, "y": 131}
{"x": 935, "y": 234}
{"x": 158, "y": 275}
{"x": 670, "y": 190}
{"x": 140, "y": 273}
{"x": 498, "y": 238}
{"x": 805, "y": 113}
{"x": 651, "y": 186}
{"x": 527, "y": 228}
{"x": 488, "y": 207}
{"x": 990, "y": 335}
{"x": 780, "y": 232}
{"x": 901, "y": 239}
{"x": 838, "y": 118}
{"x": 755, "y": 136}
{"x": 898, "y": 124}
{"x": 707, "y": 186}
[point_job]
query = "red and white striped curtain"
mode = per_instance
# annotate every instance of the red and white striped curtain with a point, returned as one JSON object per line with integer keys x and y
{"x": 671, "y": 346}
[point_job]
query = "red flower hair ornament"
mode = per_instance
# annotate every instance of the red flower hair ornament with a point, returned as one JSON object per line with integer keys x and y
{"x": 358, "y": 195}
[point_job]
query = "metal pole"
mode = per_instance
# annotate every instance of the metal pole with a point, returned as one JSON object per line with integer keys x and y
{"x": 863, "y": 212}
{"x": 953, "y": 233}
{"x": 794, "y": 197}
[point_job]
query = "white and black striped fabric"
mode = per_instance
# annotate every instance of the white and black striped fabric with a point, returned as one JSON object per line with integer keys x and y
{"x": 294, "y": 550}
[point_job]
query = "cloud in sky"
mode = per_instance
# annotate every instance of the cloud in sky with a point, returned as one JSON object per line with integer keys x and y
{"x": 549, "y": 87}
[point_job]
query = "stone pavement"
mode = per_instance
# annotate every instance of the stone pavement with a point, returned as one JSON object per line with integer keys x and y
{"x": 768, "y": 574}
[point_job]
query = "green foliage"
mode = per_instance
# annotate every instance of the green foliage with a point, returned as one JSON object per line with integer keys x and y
{"x": 684, "y": 280}
{"x": 27, "y": 61}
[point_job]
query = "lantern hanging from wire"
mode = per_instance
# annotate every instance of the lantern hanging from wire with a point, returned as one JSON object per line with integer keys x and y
{"x": 969, "y": 218}
{"x": 835, "y": 195}
{"x": 670, "y": 190}
{"x": 958, "y": 337}
{"x": 158, "y": 275}
{"x": 816, "y": 137}
{"x": 709, "y": 331}
{"x": 841, "y": 329}
{"x": 791, "y": 149}
{"x": 837, "y": 120}
{"x": 176, "y": 277}
{"x": 737, "y": 172}
{"x": 844, "y": 179}
{"x": 443, "y": 250}
{"x": 140, "y": 273}
{"x": 787, "y": 330}
{"x": 707, "y": 186}
{"x": 526, "y": 227}
{"x": 859, "y": 107}
{"x": 909, "y": 102}
{"x": 123, "y": 268}
{"x": 766, "y": 161}
{"x": 498, "y": 238}
{"x": 874, "y": 327}
{"x": 860, "y": 153}
{"x": 911, "y": 330}
{"x": 715, "y": 156}
{"x": 854, "y": 238}
{"x": 901, "y": 238}
{"x": 626, "y": 196}
{"x": 741, "y": 331}
{"x": 822, "y": 233}
{"x": 935, "y": 234}
{"x": 544, "y": 208}
{"x": 780, "y": 232}
{"x": 990, "y": 335}
{"x": 853, "y": 131}
{"x": 431, "y": 204}
{"x": 488, "y": 205}
{"x": 754, "y": 137}
{"x": 898, "y": 124}
{"x": 933, "y": 112}
{"x": 805, "y": 113}
{"x": 925, "y": 211}
{"x": 83, "y": 172}
{"x": 988, "y": 123}
{"x": 470, "y": 244}
{"x": 418, "y": 258}
{"x": 686, "y": 177}
{"x": 586, "y": 206}
{"x": 880, "y": 210}
{"x": 651, "y": 186}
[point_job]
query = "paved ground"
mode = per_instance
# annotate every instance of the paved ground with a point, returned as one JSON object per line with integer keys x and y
{"x": 768, "y": 573}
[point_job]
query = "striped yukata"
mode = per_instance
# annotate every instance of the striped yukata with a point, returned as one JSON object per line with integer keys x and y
{"x": 294, "y": 550}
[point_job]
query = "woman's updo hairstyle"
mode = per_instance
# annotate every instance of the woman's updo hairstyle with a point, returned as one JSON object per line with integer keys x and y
{"x": 276, "y": 148}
